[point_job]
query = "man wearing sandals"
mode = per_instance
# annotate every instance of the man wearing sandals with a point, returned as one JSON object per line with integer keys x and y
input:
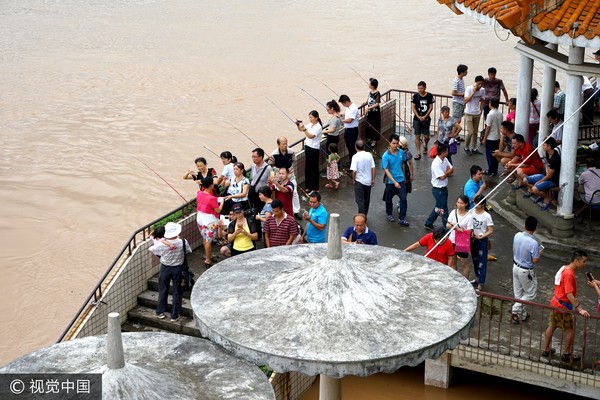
{"x": 565, "y": 297}
{"x": 526, "y": 253}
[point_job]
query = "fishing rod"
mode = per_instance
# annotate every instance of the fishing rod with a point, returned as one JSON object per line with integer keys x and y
{"x": 324, "y": 84}
{"x": 211, "y": 151}
{"x": 317, "y": 100}
{"x": 240, "y": 131}
{"x": 283, "y": 112}
{"x": 406, "y": 126}
{"x": 368, "y": 123}
{"x": 359, "y": 75}
{"x": 164, "y": 180}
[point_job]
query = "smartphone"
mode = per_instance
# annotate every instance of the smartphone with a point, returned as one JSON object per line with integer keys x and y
{"x": 589, "y": 276}
{"x": 541, "y": 247}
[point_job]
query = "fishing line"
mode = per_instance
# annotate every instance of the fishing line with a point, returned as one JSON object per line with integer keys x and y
{"x": 164, "y": 180}
{"x": 406, "y": 127}
{"x": 492, "y": 192}
{"x": 283, "y": 112}
{"x": 211, "y": 151}
{"x": 240, "y": 131}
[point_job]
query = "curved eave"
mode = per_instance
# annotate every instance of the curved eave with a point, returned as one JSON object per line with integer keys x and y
{"x": 527, "y": 34}
{"x": 565, "y": 40}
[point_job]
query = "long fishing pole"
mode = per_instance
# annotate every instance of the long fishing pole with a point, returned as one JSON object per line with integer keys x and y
{"x": 240, "y": 131}
{"x": 211, "y": 151}
{"x": 317, "y": 100}
{"x": 324, "y": 84}
{"x": 163, "y": 179}
{"x": 368, "y": 147}
{"x": 283, "y": 112}
{"x": 359, "y": 75}
{"x": 406, "y": 126}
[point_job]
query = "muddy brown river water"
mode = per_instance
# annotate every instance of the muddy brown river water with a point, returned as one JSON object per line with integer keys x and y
{"x": 85, "y": 86}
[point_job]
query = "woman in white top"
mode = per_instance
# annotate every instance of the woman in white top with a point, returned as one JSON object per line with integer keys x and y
{"x": 483, "y": 227}
{"x": 312, "y": 148}
{"x": 460, "y": 218}
{"x": 534, "y": 116}
{"x": 226, "y": 177}
{"x": 237, "y": 192}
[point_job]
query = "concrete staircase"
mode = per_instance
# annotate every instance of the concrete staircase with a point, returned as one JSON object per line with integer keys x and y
{"x": 143, "y": 317}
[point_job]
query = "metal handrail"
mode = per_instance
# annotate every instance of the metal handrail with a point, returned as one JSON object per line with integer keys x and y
{"x": 131, "y": 244}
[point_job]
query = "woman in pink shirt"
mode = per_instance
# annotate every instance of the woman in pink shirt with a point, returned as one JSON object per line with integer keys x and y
{"x": 207, "y": 217}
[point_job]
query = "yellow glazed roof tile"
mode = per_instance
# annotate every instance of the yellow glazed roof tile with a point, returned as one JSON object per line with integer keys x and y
{"x": 561, "y": 17}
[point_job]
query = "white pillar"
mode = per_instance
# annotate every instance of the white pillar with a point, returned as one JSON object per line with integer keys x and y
{"x": 568, "y": 153}
{"x": 334, "y": 237}
{"x": 330, "y": 388}
{"x": 524, "y": 83}
{"x": 114, "y": 343}
{"x": 547, "y": 98}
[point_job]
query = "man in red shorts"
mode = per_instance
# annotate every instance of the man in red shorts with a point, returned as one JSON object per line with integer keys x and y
{"x": 565, "y": 297}
{"x": 442, "y": 253}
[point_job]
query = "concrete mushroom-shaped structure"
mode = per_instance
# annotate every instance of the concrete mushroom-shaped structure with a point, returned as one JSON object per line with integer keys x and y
{"x": 374, "y": 309}
{"x": 152, "y": 366}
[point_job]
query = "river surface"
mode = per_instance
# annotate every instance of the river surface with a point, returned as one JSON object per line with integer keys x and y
{"x": 88, "y": 86}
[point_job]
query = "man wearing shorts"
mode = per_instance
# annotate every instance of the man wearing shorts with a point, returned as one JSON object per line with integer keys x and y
{"x": 540, "y": 184}
{"x": 458, "y": 92}
{"x": 422, "y": 105}
{"x": 532, "y": 166}
{"x": 565, "y": 297}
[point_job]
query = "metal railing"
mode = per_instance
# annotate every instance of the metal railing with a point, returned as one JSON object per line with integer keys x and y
{"x": 494, "y": 330}
{"x": 140, "y": 235}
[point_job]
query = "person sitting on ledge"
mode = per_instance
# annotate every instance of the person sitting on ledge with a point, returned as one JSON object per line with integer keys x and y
{"x": 539, "y": 184}
{"x": 532, "y": 166}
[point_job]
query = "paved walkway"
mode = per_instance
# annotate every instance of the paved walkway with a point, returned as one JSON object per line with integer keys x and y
{"x": 507, "y": 221}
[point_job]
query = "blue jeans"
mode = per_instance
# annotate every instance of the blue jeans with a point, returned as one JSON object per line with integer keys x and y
{"x": 166, "y": 275}
{"x": 390, "y": 192}
{"x": 479, "y": 254}
{"x": 441, "y": 203}
{"x": 490, "y": 146}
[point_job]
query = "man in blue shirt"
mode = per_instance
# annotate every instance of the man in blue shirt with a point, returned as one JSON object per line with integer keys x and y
{"x": 359, "y": 233}
{"x": 526, "y": 253}
{"x": 392, "y": 165}
{"x": 316, "y": 219}
{"x": 474, "y": 186}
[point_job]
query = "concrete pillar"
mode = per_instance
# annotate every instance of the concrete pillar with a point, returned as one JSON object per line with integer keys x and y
{"x": 114, "y": 343}
{"x": 524, "y": 83}
{"x": 547, "y": 98}
{"x": 570, "y": 135}
{"x": 438, "y": 372}
{"x": 330, "y": 388}
{"x": 334, "y": 238}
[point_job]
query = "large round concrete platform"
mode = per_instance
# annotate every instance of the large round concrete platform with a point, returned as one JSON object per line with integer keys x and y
{"x": 159, "y": 366}
{"x": 375, "y": 309}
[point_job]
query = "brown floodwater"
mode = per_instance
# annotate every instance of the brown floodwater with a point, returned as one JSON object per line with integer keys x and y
{"x": 88, "y": 86}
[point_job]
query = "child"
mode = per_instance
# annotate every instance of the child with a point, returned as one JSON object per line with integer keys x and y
{"x": 158, "y": 236}
{"x": 333, "y": 172}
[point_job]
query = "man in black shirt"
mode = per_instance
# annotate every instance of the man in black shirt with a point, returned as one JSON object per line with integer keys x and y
{"x": 540, "y": 184}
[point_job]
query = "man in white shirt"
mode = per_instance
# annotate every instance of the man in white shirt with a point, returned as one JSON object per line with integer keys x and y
{"x": 491, "y": 136}
{"x": 363, "y": 175}
{"x": 458, "y": 92}
{"x": 441, "y": 169}
{"x": 350, "y": 120}
{"x": 473, "y": 105}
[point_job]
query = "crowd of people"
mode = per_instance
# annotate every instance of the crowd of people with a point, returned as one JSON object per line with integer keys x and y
{"x": 238, "y": 209}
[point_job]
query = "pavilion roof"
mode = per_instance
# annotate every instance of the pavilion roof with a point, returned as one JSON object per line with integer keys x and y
{"x": 571, "y": 22}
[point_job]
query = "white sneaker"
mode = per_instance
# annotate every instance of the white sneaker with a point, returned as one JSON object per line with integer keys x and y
{"x": 160, "y": 316}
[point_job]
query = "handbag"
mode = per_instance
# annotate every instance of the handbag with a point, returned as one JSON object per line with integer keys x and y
{"x": 433, "y": 152}
{"x": 187, "y": 276}
{"x": 462, "y": 240}
{"x": 453, "y": 146}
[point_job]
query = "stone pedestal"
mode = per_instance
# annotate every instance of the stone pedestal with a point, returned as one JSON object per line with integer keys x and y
{"x": 438, "y": 372}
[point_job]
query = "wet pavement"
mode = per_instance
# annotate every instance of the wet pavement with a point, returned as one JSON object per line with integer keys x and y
{"x": 507, "y": 222}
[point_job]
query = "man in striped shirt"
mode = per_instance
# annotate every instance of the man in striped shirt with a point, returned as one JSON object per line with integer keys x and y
{"x": 280, "y": 228}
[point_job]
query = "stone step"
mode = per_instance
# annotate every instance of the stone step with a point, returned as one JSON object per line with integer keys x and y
{"x": 136, "y": 327}
{"x": 153, "y": 285}
{"x": 147, "y": 317}
{"x": 149, "y": 299}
